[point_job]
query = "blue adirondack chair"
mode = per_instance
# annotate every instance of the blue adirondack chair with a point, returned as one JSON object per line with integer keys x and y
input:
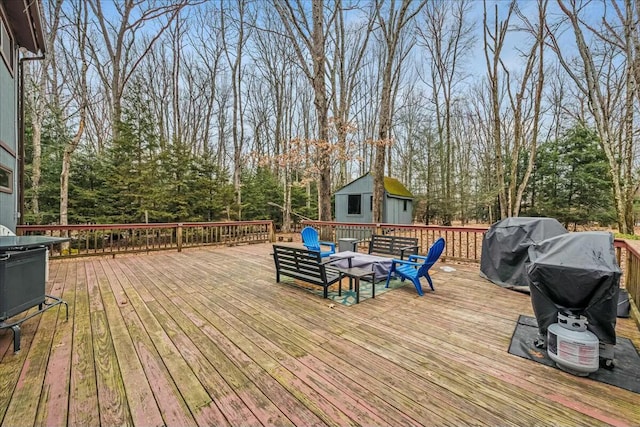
{"x": 312, "y": 242}
{"x": 417, "y": 266}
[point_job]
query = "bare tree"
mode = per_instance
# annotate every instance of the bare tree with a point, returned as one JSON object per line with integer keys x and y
{"x": 208, "y": 60}
{"x": 596, "y": 81}
{"x": 119, "y": 36}
{"x": 40, "y": 76}
{"x": 309, "y": 41}
{"x": 493, "y": 45}
{"x": 447, "y": 36}
{"x": 515, "y": 134}
{"x": 349, "y": 46}
{"x": 276, "y": 58}
{"x": 233, "y": 49}
{"x": 76, "y": 66}
{"x": 527, "y": 107}
{"x": 391, "y": 29}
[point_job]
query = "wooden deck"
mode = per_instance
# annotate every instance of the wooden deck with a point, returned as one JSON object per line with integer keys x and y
{"x": 206, "y": 337}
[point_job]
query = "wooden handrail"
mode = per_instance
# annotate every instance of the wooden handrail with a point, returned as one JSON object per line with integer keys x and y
{"x": 111, "y": 239}
{"x": 463, "y": 243}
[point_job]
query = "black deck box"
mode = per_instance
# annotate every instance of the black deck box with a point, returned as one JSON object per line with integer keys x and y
{"x": 22, "y": 280}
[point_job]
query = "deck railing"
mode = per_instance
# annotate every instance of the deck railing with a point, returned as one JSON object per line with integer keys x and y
{"x": 631, "y": 274}
{"x": 465, "y": 244}
{"x": 111, "y": 239}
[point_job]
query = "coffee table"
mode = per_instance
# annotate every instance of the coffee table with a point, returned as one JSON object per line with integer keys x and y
{"x": 356, "y": 273}
{"x": 379, "y": 265}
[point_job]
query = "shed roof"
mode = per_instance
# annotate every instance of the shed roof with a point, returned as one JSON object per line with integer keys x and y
{"x": 395, "y": 187}
{"x": 392, "y": 186}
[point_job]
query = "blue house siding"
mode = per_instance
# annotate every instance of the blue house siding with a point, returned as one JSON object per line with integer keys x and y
{"x": 8, "y": 142}
{"x": 20, "y": 27}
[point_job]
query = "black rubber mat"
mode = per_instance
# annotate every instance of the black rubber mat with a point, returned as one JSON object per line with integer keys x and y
{"x": 625, "y": 374}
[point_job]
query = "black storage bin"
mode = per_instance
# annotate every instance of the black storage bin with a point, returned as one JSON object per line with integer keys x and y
{"x": 22, "y": 280}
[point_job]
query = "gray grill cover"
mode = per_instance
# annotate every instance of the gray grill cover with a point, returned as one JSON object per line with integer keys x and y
{"x": 579, "y": 272}
{"x": 505, "y": 249}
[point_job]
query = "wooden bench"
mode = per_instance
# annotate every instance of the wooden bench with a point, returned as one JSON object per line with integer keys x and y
{"x": 305, "y": 265}
{"x": 396, "y": 246}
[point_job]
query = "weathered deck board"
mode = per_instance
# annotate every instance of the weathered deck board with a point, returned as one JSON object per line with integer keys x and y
{"x": 23, "y": 408}
{"x": 172, "y": 406}
{"x": 454, "y": 403}
{"x": 218, "y": 368}
{"x": 141, "y": 402}
{"x": 83, "y": 392}
{"x": 206, "y": 337}
{"x": 55, "y": 396}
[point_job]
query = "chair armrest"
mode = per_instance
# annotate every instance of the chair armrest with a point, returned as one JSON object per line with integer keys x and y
{"x": 333, "y": 245}
{"x": 420, "y": 257}
{"x": 405, "y": 248}
{"x": 400, "y": 261}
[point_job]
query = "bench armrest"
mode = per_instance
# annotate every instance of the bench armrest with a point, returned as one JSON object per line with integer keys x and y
{"x": 355, "y": 244}
{"x": 406, "y": 248}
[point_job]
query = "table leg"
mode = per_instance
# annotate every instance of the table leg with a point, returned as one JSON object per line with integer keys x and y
{"x": 357, "y": 285}
{"x": 373, "y": 285}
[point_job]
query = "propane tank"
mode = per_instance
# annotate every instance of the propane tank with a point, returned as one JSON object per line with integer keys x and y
{"x": 571, "y": 346}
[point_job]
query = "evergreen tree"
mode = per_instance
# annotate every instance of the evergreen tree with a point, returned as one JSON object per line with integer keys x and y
{"x": 54, "y": 134}
{"x": 260, "y": 188}
{"x": 135, "y": 187}
{"x": 211, "y": 191}
{"x": 85, "y": 188}
{"x": 572, "y": 181}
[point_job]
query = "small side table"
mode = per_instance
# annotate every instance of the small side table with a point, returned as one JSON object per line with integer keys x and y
{"x": 357, "y": 273}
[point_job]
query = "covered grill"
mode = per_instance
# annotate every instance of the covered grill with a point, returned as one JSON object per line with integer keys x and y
{"x": 505, "y": 249}
{"x": 577, "y": 272}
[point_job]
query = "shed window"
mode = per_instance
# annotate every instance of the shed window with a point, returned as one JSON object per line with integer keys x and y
{"x": 370, "y": 203}
{"x": 355, "y": 204}
{"x": 6, "y": 180}
{"x": 405, "y": 206}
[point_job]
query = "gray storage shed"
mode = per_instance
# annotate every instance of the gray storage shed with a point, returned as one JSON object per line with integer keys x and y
{"x": 354, "y": 202}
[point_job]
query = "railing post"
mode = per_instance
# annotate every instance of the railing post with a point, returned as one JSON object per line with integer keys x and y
{"x": 272, "y": 232}
{"x": 179, "y": 237}
{"x": 629, "y": 274}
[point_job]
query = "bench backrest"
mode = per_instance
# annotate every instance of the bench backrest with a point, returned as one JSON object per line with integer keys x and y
{"x": 392, "y": 245}
{"x": 301, "y": 263}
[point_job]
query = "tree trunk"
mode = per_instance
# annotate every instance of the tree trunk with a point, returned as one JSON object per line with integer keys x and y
{"x": 599, "y": 105}
{"x": 322, "y": 109}
{"x": 492, "y": 56}
{"x": 391, "y": 27}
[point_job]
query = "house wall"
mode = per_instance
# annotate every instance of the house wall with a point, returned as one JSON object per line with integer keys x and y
{"x": 8, "y": 140}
